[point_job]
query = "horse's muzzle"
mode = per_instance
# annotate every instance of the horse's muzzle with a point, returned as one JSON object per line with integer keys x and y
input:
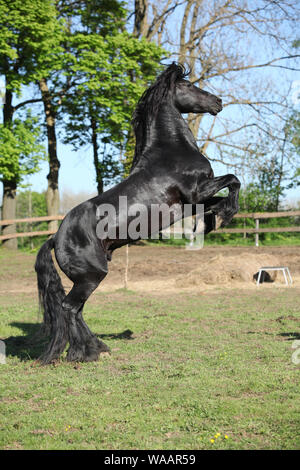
{"x": 217, "y": 107}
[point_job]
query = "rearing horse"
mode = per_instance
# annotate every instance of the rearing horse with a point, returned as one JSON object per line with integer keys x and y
{"x": 167, "y": 168}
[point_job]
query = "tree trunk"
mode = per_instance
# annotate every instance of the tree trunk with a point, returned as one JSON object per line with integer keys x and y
{"x": 8, "y": 109}
{"x": 187, "y": 53}
{"x": 52, "y": 201}
{"x": 140, "y": 18}
{"x": 183, "y": 48}
{"x": 99, "y": 179}
{"x": 9, "y": 212}
{"x": 52, "y": 193}
{"x": 9, "y": 187}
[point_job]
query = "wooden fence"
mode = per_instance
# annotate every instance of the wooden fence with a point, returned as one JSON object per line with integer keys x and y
{"x": 262, "y": 215}
{"x": 257, "y": 216}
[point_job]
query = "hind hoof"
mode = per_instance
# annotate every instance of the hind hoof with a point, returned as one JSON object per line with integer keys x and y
{"x": 105, "y": 354}
{"x": 88, "y": 352}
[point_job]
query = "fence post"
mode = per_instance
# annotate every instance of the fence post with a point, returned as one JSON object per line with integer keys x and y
{"x": 257, "y": 234}
{"x": 126, "y": 267}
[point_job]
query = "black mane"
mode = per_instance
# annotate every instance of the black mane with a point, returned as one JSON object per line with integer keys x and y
{"x": 150, "y": 102}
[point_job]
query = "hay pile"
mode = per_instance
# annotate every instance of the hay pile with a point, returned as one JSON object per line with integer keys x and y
{"x": 222, "y": 270}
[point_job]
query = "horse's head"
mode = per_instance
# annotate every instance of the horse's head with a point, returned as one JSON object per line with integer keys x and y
{"x": 188, "y": 98}
{"x": 170, "y": 87}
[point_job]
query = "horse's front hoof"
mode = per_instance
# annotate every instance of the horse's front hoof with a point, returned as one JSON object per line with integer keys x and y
{"x": 105, "y": 354}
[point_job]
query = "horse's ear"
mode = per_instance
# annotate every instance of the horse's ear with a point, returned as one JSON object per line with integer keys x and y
{"x": 186, "y": 70}
{"x": 181, "y": 70}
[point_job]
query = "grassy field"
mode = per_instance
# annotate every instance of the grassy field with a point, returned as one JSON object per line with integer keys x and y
{"x": 187, "y": 371}
{"x": 228, "y": 239}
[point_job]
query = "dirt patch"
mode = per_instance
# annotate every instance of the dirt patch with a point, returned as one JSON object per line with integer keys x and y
{"x": 222, "y": 270}
{"x": 160, "y": 269}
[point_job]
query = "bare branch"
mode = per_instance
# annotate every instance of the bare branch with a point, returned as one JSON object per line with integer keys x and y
{"x": 24, "y": 103}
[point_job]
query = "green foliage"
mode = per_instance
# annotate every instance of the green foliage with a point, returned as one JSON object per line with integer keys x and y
{"x": 293, "y": 130}
{"x": 268, "y": 187}
{"x": 30, "y": 37}
{"x": 21, "y": 151}
{"x": 31, "y": 204}
{"x": 109, "y": 69}
{"x": 97, "y": 16}
{"x": 251, "y": 199}
{"x": 260, "y": 196}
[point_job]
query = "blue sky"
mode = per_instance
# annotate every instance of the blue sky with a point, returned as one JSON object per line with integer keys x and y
{"x": 76, "y": 174}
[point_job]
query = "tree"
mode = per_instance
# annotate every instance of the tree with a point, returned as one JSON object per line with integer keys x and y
{"x": 58, "y": 83}
{"x": 50, "y": 111}
{"x": 265, "y": 191}
{"x": 20, "y": 156}
{"x": 99, "y": 109}
{"x": 29, "y": 40}
{"x": 109, "y": 69}
{"x": 31, "y": 204}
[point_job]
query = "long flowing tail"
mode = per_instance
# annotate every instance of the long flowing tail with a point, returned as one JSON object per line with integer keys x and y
{"x": 51, "y": 295}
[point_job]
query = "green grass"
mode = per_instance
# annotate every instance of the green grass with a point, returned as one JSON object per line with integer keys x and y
{"x": 236, "y": 239}
{"x": 265, "y": 239}
{"x": 183, "y": 368}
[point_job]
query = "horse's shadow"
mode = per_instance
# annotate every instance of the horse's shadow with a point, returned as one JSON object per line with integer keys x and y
{"x": 32, "y": 343}
{"x": 126, "y": 334}
{"x": 290, "y": 336}
{"x": 28, "y": 345}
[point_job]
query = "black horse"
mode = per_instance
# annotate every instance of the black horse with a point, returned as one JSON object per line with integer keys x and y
{"x": 167, "y": 168}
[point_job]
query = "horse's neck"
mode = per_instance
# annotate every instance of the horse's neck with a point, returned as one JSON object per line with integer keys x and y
{"x": 168, "y": 130}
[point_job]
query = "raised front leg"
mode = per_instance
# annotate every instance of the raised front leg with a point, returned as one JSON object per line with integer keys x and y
{"x": 212, "y": 221}
{"x": 218, "y": 211}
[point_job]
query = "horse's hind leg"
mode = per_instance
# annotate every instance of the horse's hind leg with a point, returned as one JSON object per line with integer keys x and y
{"x": 59, "y": 338}
{"x": 84, "y": 345}
{"x": 93, "y": 346}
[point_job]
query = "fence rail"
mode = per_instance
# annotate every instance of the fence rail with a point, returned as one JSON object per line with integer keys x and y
{"x": 46, "y": 218}
{"x": 252, "y": 215}
{"x": 263, "y": 215}
{"x": 266, "y": 215}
